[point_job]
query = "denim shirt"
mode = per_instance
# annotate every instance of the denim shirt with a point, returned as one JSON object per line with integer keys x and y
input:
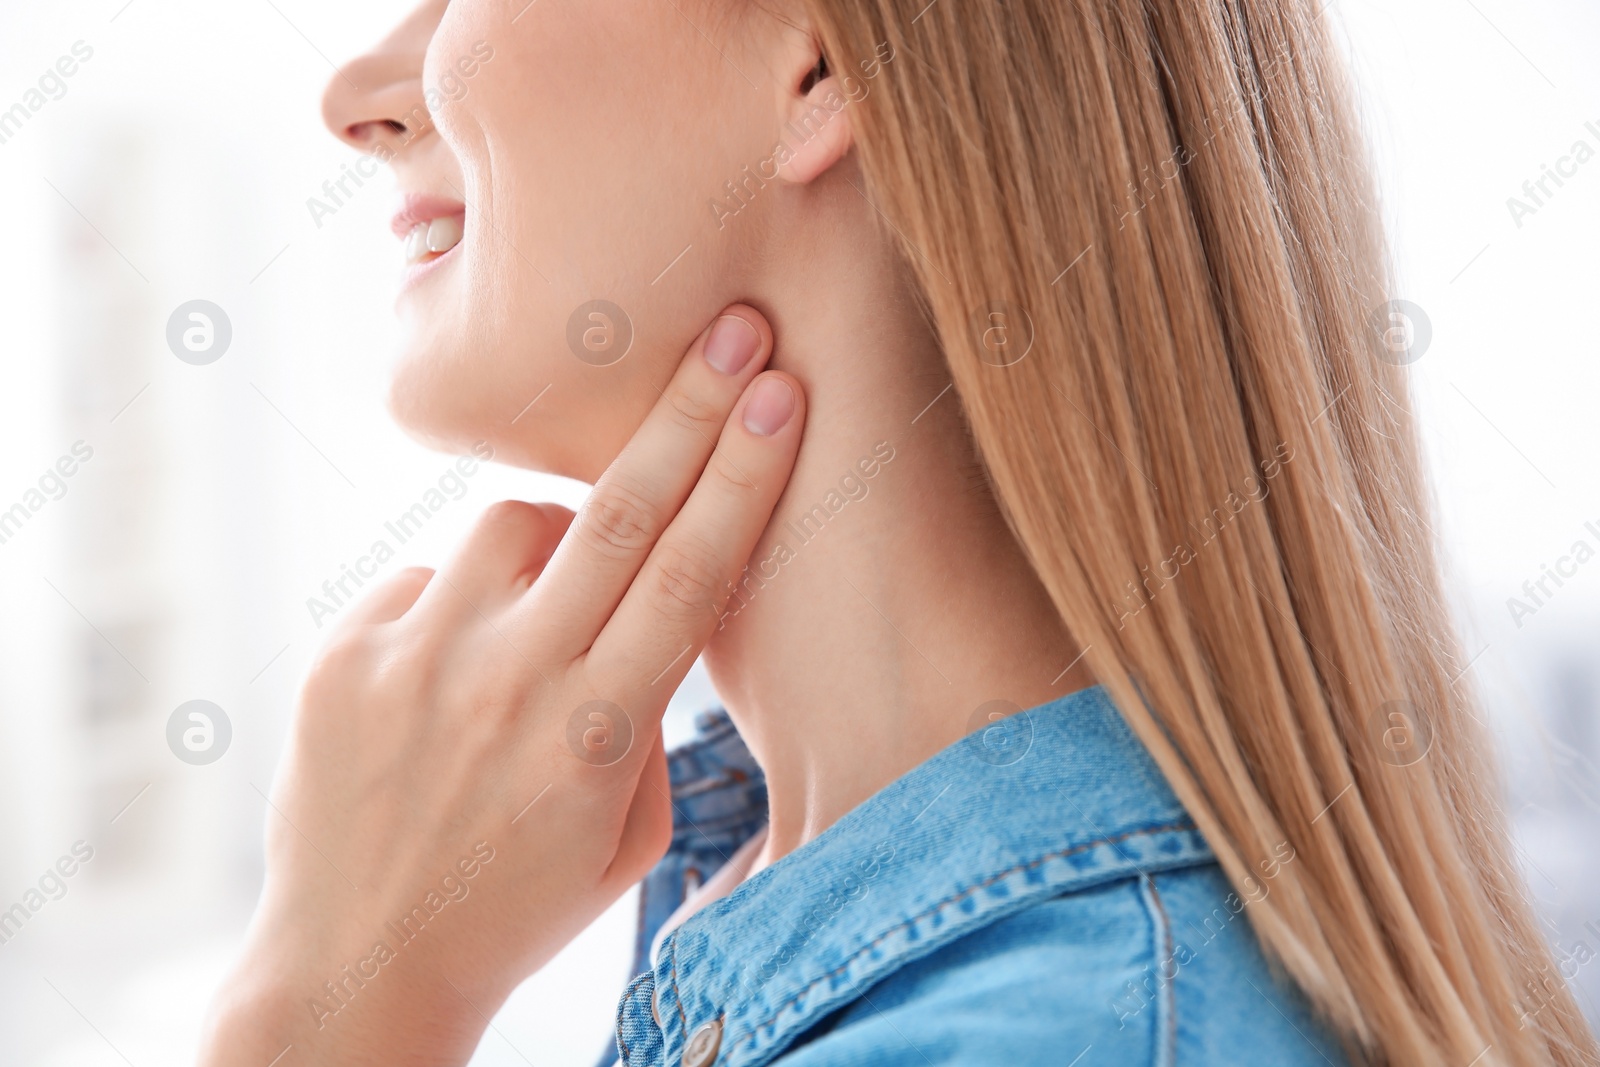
{"x": 1034, "y": 894}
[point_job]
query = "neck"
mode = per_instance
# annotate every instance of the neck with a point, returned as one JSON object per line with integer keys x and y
{"x": 887, "y": 600}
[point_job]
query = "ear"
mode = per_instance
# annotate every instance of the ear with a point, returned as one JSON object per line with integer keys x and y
{"x": 816, "y": 117}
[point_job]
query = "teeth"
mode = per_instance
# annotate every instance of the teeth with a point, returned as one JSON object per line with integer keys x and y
{"x": 443, "y": 234}
{"x": 417, "y": 243}
{"x": 432, "y": 238}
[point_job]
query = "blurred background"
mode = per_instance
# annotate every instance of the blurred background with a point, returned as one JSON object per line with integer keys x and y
{"x": 164, "y": 521}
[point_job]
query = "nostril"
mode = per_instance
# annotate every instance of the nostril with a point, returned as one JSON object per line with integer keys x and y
{"x": 364, "y": 133}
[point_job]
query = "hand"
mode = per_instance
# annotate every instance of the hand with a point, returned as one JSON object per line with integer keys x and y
{"x": 475, "y": 770}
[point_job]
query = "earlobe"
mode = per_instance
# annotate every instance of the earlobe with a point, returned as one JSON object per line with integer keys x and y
{"x": 817, "y": 131}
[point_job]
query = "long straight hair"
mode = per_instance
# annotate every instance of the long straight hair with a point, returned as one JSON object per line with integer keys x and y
{"x": 1208, "y": 455}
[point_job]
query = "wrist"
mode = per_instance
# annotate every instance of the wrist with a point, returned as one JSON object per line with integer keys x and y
{"x": 249, "y": 1021}
{"x": 400, "y": 1014}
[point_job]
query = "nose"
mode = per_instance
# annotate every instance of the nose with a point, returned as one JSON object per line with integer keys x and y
{"x": 376, "y": 103}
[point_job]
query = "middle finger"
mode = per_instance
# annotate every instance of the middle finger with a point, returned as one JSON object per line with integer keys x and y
{"x": 642, "y": 490}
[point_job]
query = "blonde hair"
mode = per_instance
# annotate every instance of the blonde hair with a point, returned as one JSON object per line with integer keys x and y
{"x": 1212, "y": 467}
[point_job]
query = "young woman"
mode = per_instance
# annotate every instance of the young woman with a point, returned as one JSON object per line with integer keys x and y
{"x": 1100, "y": 699}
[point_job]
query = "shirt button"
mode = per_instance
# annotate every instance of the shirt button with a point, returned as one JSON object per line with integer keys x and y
{"x": 655, "y": 1004}
{"x": 701, "y": 1051}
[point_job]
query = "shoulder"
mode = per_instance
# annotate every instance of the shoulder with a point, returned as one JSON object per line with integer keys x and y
{"x": 1160, "y": 970}
{"x": 1033, "y": 894}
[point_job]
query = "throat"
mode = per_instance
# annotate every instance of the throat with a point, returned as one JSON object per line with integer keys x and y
{"x": 885, "y": 609}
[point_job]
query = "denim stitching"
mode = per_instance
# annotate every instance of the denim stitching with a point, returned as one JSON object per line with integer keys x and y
{"x": 677, "y": 1000}
{"x": 1166, "y": 998}
{"x": 621, "y": 1009}
{"x": 941, "y": 905}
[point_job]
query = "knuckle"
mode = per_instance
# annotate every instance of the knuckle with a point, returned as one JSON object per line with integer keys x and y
{"x": 516, "y": 537}
{"x": 617, "y": 520}
{"x": 557, "y": 516}
{"x": 405, "y": 584}
{"x": 517, "y": 514}
{"x": 405, "y": 670}
{"x": 414, "y": 574}
{"x": 687, "y": 578}
{"x": 339, "y": 667}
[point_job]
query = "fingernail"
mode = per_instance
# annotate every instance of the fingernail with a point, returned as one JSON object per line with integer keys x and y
{"x": 771, "y": 404}
{"x": 731, "y": 344}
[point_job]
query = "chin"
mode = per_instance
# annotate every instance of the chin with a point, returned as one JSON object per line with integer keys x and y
{"x": 426, "y": 399}
{"x": 423, "y": 413}
{"x": 435, "y": 393}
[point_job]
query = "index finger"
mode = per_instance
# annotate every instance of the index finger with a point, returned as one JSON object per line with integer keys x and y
{"x": 638, "y": 495}
{"x": 674, "y": 606}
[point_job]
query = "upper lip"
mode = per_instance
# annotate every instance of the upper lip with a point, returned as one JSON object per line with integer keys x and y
{"x": 418, "y": 208}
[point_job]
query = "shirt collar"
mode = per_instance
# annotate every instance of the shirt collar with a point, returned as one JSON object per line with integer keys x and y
{"x": 1053, "y": 799}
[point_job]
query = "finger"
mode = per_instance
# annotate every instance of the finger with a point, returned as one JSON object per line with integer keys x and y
{"x": 388, "y": 600}
{"x": 506, "y": 550}
{"x": 672, "y": 607}
{"x": 644, "y": 487}
{"x": 647, "y": 829}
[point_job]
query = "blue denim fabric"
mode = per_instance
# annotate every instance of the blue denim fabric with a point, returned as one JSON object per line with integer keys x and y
{"x": 719, "y": 801}
{"x": 1034, "y": 894}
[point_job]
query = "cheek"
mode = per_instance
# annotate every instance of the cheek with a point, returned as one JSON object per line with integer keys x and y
{"x": 605, "y": 131}
{"x": 608, "y": 144}
{"x": 591, "y": 148}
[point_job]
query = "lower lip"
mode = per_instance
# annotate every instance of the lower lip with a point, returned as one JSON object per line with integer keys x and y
{"x": 414, "y": 274}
